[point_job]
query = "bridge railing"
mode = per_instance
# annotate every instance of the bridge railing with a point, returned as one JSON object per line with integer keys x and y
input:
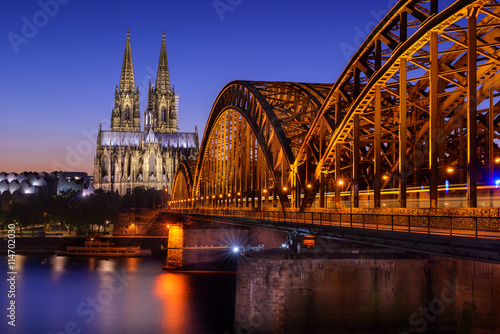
{"x": 452, "y": 226}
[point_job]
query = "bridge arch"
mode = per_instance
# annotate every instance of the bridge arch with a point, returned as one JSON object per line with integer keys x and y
{"x": 182, "y": 186}
{"x": 401, "y": 113}
{"x": 252, "y": 136}
{"x": 418, "y": 99}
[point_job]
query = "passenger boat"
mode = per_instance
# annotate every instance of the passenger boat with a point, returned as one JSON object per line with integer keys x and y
{"x": 104, "y": 248}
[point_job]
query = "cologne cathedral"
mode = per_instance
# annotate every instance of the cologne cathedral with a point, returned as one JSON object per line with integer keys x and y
{"x": 128, "y": 156}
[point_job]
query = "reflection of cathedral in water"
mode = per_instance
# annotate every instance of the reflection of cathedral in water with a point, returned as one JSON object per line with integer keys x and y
{"x": 127, "y": 157}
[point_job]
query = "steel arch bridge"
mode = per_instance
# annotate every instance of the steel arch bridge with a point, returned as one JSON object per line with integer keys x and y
{"x": 416, "y": 108}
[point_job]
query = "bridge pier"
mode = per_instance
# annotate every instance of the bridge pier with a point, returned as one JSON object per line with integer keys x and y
{"x": 318, "y": 294}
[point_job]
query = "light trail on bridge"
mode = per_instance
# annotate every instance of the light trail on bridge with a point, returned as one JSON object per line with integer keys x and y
{"x": 451, "y": 226}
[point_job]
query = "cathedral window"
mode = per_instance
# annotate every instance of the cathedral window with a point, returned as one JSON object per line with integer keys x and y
{"x": 127, "y": 112}
{"x": 151, "y": 164}
{"x": 104, "y": 167}
{"x": 162, "y": 114}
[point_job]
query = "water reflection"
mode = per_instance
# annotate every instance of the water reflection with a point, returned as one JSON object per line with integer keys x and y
{"x": 106, "y": 266}
{"x": 172, "y": 291}
{"x": 58, "y": 265}
{"x": 122, "y": 296}
{"x": 132, "y": 264}
{"x": 20, "y": 259}
{"x": 92, "y": 263}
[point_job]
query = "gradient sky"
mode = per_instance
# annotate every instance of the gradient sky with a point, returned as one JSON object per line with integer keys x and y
{"x": 58, "y": 80}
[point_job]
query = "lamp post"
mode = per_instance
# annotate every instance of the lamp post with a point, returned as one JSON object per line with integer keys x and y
{"x": 264, "y": 193}
{"x": 338, "y": 187}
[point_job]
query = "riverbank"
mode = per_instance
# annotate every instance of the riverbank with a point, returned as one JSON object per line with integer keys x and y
{"x": 51, "y": 244}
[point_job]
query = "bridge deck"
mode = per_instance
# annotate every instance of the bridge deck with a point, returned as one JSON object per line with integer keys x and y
{"x": 476, "y": 238}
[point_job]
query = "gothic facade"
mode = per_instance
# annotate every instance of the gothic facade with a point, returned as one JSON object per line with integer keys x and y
{"x": 128, "y": 156}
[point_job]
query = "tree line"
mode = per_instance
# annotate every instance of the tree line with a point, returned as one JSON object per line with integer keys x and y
{"x": 73, "y": 211}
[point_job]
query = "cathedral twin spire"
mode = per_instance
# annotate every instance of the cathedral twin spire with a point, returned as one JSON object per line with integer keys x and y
{"x": 160, "y": 111}
{"x": 162, "y": 76}
{"x": 127, "y": 82}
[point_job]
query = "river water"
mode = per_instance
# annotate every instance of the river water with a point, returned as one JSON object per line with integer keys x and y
{"x": 58, "y": 294}
{"x": 270, "y": 295}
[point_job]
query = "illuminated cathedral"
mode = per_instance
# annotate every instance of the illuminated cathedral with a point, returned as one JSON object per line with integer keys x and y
{"x": 128, "y": 156}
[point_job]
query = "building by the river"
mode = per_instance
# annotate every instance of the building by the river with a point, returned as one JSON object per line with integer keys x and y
{"x": 129, "y": 155}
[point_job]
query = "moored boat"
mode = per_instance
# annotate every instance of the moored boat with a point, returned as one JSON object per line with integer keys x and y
{"x": 104, "y": 248}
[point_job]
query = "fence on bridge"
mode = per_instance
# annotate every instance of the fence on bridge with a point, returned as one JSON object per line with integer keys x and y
{"x": 453, "y": 226}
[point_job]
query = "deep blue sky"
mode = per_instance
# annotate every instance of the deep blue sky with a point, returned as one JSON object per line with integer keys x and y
{"x": 57, "y": 83}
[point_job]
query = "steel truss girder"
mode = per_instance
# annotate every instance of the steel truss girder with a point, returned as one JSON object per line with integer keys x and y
{"x": 306, "y": 132}
{"x": 354, "y": 91}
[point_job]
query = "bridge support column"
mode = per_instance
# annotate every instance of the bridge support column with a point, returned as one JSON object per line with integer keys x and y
{"x": 377, "y": 148}
{"x": 491, "y": 145}
{"x": 338, "y": 179}
{"x": 355, "y": 163}
{"x": 433, "y": 122}
{"x": 295, "y": 189}
{"x": 402, "y": 133}
{"x": 322, "y": 190}
{"x": 472, "y": 111}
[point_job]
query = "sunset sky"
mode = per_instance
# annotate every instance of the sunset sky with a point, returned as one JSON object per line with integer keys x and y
{"x": 60, "y": 61}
